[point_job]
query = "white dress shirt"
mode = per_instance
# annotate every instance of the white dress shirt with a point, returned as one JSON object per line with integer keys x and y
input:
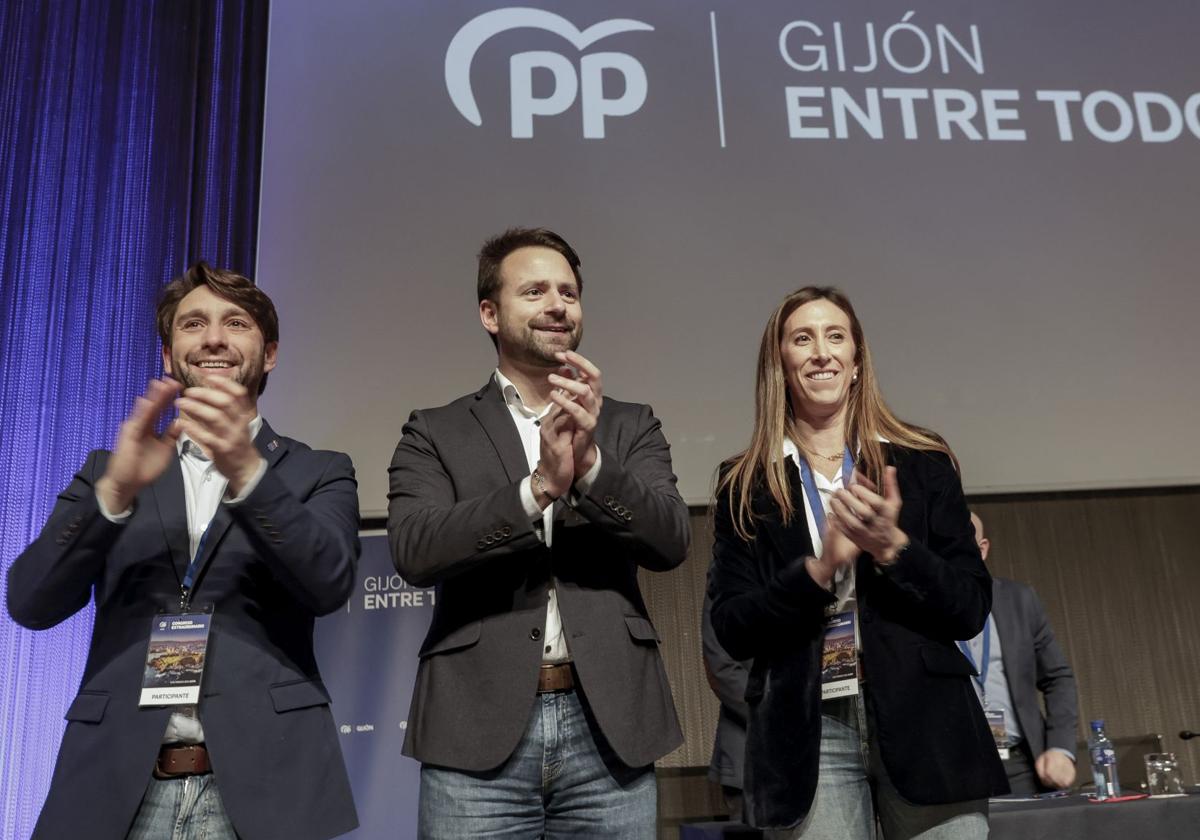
{"x": 528, "y": 423}
{"x": 844, "y": 577}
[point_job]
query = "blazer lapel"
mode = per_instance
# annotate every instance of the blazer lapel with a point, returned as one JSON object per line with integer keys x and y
{"x": 791, "y": 540}
{"x": 491, "y": 412}
{"x": 168, "y": 497}
{"x": 1005, "y": 620}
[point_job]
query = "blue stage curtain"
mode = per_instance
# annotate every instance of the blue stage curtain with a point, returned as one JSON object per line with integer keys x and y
{"x": 130, "y": 146}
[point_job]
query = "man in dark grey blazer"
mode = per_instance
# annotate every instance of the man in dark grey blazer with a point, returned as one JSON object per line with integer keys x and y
{"x": 541, "y": 701}
{"x": 1024, "y": 659}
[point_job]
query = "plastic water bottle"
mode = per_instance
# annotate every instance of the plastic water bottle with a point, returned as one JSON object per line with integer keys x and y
{"x": 1104, "y": 762}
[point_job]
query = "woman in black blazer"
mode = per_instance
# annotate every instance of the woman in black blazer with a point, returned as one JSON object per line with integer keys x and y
{"x": 885, "y": 562}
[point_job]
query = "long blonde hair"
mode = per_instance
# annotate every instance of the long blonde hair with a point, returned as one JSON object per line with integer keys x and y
{"x": 868, "y": 418}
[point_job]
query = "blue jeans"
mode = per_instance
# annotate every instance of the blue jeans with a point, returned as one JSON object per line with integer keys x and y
{"x": 853, "y": 786}
{"x": 182, "y": 809}
{"x": 562, "y": 780}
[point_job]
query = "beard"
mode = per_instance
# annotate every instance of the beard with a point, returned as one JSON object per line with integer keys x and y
{"x": 534, "y": 346}
{"x": 246, "y": 372}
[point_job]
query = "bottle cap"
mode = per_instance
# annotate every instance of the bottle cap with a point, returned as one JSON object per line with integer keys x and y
{"x": 1098, "y": 724}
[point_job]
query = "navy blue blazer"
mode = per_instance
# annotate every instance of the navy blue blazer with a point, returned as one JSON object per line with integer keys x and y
{"x": 271, "y": 565}
{"x": 932, "y": 735}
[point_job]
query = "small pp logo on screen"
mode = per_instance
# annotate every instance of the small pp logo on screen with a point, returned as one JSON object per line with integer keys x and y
{"x": 569, "y": 84}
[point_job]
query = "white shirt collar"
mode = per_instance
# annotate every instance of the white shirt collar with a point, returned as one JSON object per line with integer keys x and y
{"x": 513, "y": 397}
{"x": 185, "y": 445}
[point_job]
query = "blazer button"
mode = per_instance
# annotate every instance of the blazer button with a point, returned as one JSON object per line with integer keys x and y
{"x": 481, "y": 544}
{"x": 627, "y": 516}
{"x": 535, "y": 633}
{"x": 608, "y": 500}
{"x": 489, "y": 539}
{"x": 506, "y": 531}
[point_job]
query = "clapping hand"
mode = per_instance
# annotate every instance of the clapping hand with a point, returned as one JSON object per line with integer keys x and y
{"x": 141, "y": 454}
{"x": 579, "y": 394}
{"x": 869, "y": 519}
{"x": 217, "y": 416}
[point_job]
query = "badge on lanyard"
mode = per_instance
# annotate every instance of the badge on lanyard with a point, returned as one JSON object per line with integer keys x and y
{"x": 839, "y": 653}
{"x": 178, "y": 648}
{"x": 995, "y": 716}
{"x": 175, "y": 658}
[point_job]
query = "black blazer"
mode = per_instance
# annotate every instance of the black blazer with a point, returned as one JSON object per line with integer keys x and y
{"x": 455, "y": 519}
{"x": 1033, "y": 662}
{"x": 271, "y": 565}
{"x": 932, "y": 735}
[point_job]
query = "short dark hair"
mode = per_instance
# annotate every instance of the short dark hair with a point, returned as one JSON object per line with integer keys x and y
{"x": 497, "y": 248}
{"x": 229, "y": 285}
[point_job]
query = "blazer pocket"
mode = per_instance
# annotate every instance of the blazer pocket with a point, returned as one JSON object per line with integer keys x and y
{"x": 945, "y": 662}
{"x": 459, "y": 637}
{"x": 301, "y": 694}
{"x": 88, "y": 707}
{"x": 641, "y": 629}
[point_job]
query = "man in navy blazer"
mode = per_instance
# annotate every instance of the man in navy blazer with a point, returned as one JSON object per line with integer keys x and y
{"x": 222, "y": 513}
{"x": 541, "y": 701}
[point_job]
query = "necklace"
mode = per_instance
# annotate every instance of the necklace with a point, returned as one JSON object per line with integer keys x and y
{"x": 830, "y": 458}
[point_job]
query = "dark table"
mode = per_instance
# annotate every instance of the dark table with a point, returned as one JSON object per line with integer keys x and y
{"x": 1066, "y": 818}
{"x": 1074, "y": 818}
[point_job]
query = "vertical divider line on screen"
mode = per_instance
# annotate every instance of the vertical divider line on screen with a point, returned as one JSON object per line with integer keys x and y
{"x": 712, "y": 18}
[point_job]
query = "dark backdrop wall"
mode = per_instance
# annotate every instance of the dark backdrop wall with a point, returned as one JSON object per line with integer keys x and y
{"x": 130, "y": 138}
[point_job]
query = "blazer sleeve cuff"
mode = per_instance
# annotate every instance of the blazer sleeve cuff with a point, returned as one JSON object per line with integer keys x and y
{"x": 794, "y": 588}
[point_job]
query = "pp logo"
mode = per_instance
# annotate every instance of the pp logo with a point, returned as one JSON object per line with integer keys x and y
{"x": 567, "y": 83}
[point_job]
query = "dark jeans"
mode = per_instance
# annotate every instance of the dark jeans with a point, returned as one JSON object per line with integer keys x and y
{"x": 562, "y": 780}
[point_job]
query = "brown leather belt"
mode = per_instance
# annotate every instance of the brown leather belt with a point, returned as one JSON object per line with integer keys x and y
{"x": 559, "y": 677}
{"x": 178, "y": 760}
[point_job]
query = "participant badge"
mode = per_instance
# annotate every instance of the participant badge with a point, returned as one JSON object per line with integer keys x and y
{"x": 995, "y": 720}
{"x": 175, "y": 658}
{"x": 839, "y": 657}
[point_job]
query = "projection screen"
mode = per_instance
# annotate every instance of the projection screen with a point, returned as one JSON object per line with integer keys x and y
{"x": 1007, "y": 191}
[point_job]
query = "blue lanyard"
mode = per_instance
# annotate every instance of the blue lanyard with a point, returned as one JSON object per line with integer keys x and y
{"x": 982, "y": 668}
{"x": 189, "y": 577}
{"x": 814, "y": 496}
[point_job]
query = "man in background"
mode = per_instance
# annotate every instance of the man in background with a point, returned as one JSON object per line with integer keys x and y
{"x": 1017, "y": 657}
{"x": 727, "y": 678}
